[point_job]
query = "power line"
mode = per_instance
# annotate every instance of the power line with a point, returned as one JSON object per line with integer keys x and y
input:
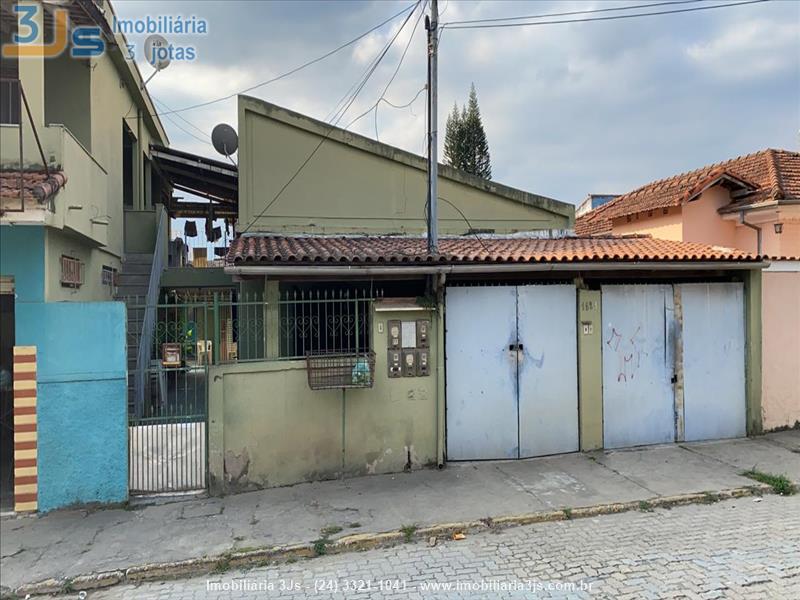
{"x": 291, "y": 71}
{"x": 333, "y": 127}
{"x": 471, "y": 228}
{"x": 611, "y": 18}
{"x": 399, "y": 64}
{"x": 391, "y": 80}
{"x": 574, "y": 12}
{"x": 336, "y": 110}
{"x": 384, "y": 100}
{"x": 186, "y": 131}
{"x": 343, "y": 100}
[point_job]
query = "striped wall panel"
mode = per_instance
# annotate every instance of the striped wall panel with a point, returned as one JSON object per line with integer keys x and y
{"x": 26, "y": 484}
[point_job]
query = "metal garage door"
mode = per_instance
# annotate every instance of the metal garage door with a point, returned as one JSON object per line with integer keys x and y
{"x": 511, "y": 371}
{"x": 713, "y": 360}
{"x": 638, "y": 400}
{"x": 548, "y": 371}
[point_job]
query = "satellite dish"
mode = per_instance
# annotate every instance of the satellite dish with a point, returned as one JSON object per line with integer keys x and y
{"x": 225, "y": 139}
{"x": 156, "y": 51}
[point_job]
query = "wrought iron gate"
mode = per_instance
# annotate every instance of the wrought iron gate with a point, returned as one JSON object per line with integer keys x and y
{"x": 168, "y": 437}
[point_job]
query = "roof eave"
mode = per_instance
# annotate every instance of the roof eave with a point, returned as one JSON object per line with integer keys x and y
{"x": 450, "y": 268}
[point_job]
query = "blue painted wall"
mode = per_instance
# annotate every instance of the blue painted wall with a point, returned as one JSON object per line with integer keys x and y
{"x": 82, "y": 400}
{"x": 22, "y": 255}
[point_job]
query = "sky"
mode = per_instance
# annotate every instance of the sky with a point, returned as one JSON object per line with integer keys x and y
{"x": 568, "y": 109}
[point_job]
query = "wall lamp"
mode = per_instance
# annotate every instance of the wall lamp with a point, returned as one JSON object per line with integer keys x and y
{"x": 778, "y": 228}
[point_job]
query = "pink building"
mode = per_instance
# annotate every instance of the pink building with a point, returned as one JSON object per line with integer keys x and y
{"x": 751, "y": 203}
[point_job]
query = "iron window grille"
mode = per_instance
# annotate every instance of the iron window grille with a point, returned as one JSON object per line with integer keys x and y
{"x": 329, "y": 371}
{"x": 71, "y": 272}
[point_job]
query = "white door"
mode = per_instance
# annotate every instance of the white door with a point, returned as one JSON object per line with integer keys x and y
{"x": 638, "y": 365}
{"x": 511, "y": 362}
{"x": 482, "y": 415}
{"x": 713, "y": 360}
{"x": 548, "y": 369}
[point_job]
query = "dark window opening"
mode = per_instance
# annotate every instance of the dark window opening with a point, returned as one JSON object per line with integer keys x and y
{"x": 128, "y": 159}
{"x": 9, "y": 73}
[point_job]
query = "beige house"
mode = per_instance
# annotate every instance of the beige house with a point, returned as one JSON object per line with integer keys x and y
{"x": 751, "y": 203}
{"x": 80, "y": 130}
{"x": 357, "y": 185}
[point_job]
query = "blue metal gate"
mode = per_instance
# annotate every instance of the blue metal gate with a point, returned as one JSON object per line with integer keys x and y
{"x": 713, "y": 360}
{"x": 511, "y": 365}
{"x": 638, "y": 365}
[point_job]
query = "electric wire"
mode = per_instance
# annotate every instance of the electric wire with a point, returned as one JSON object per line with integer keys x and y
{"x": 611, "y": 18}
{"x": 332, "y": 129}
{"x": 574, "y": 12}
{"x": 291, "y": 71}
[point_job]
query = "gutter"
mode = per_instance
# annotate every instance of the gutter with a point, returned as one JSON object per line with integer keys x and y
{"x": 369, "y": 270}
{"x": 756, "y": 228}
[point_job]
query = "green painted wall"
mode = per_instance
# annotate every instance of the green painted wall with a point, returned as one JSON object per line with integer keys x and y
{"x": 78, "y": 107}
{"x": 590, "y": 369}
{"x": 67, "y": 84}
{"x": 356, "y": 185}
{"x": 268, "y": 428}
{"x": 61, "y": 242}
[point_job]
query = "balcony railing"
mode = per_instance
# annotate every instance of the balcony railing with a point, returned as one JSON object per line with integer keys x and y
{"x": 12, "y": 97}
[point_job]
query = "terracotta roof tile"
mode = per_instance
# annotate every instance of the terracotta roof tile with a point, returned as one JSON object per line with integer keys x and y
{"x": 308, "y": 250}
{"x": 773, "y": 175}
{"x": 36, "y": 184}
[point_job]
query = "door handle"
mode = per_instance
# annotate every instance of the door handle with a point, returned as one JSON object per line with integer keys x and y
{"x": 517, "y": 347}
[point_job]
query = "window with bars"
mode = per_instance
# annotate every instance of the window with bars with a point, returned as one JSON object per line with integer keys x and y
{"x": 71, "y": 272}
{"x": 108, "y": 276}
{"x": 324, "y": 321}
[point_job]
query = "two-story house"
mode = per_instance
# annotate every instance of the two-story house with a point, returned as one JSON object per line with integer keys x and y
{"x": 751, "y": 203}
{"x": 77, "y": 192}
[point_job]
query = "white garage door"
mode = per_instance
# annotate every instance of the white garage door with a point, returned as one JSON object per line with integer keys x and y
{"x": 713, "y": 360}
{"x": 511, "y": 365}
{"x": 638, "y": 399}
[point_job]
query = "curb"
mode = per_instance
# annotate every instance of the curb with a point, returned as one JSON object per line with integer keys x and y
{"x": 357, "y": 543}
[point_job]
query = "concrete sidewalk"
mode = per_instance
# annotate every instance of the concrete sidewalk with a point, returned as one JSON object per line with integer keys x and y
{"x": 78, "y": 542}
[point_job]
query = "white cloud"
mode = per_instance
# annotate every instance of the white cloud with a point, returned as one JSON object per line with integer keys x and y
{"x": 568, "y": 109}
{"x": 747, "y": 49}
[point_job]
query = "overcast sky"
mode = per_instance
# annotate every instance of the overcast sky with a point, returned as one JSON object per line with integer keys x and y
{"x": 568, "y": 109}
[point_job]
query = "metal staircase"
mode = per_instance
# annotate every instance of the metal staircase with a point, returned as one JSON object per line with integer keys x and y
{"x": 139, "y": 285}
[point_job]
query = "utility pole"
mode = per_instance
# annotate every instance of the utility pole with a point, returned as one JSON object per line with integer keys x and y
{"x": 432, "y": 25}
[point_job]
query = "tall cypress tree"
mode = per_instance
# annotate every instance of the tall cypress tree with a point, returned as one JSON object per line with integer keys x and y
{"x": 453, "y": 139}
{"x": 465, "y": 144}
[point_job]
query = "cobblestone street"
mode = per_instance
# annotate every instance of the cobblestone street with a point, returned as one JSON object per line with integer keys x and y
{"x": 744, "y": 548}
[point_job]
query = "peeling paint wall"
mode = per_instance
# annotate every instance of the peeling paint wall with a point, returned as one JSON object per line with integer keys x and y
{"x": 268, "y": 428}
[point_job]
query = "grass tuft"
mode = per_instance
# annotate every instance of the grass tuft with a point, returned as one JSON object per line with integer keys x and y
{"x": 780, "y": 484}
{"x": 408, "y": 532}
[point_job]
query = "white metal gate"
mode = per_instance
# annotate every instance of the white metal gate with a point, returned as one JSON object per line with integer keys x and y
{"x": 548, "y": 371}
{"x": 713, "y": 360}
{"x": 640, "y": 335}
{"x": 638, "y": 361}
{"x": 511, "y": 371}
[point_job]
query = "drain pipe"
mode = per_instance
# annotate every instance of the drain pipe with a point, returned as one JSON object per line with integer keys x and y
{"x": 757, "y": 230}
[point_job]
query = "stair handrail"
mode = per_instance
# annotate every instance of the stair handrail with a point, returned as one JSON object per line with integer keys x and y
{"x": 145, "y": 349}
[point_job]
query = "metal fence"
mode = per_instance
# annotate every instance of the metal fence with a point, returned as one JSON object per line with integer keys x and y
{"x": 222, "y": 327}
{"x": 185, "y": 333}
{"x": 168, "y": 439}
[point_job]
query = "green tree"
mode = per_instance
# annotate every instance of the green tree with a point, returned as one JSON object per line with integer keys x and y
{"x": 465, "y": 144}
